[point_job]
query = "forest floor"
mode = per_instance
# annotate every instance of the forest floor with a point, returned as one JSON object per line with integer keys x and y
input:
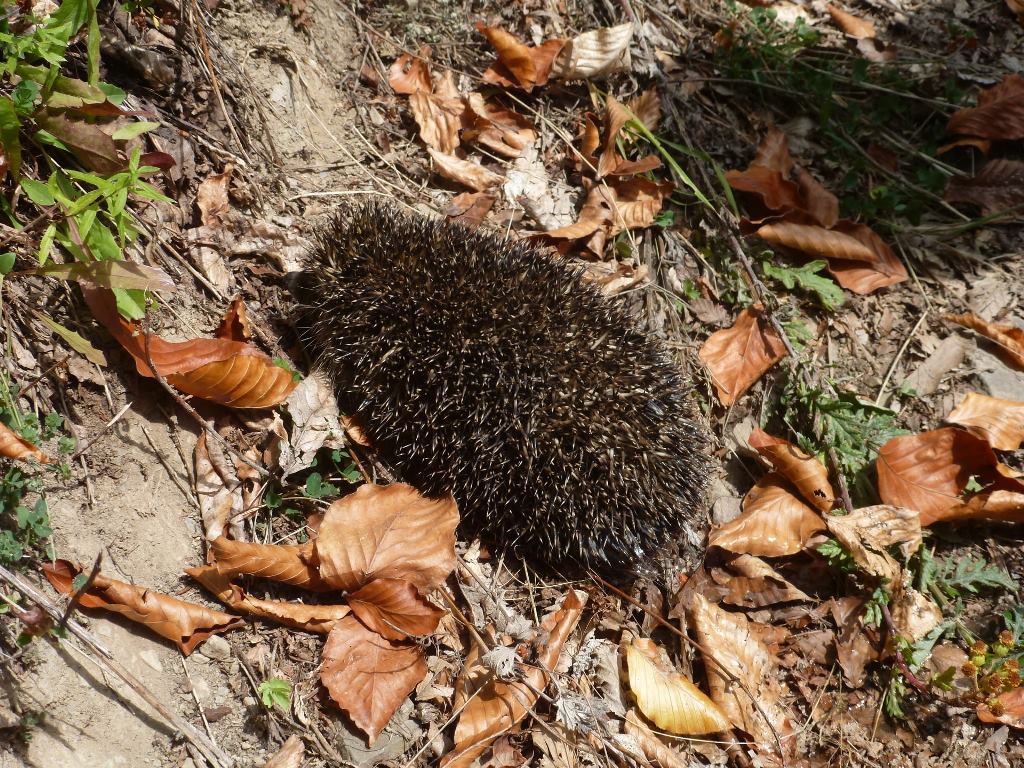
{"x": 795, "y": 196}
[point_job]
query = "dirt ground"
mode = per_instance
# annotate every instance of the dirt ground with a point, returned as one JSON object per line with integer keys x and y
{"x": 312, "y": 140}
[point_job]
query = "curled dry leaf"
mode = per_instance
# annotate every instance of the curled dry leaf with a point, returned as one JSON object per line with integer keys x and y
{"x": 185, "y": 624}
{"x": 816, "y": 241}
{"x": 498, "y": 706}
{"x": 884, "y": 269}
{"x": 470, "y": 208}
{"x": 1009, "y": 339}
{"x": 999, "y": 114}
{"x": 502, "y": 130}
{"x": 228, "y": 372}
{"x": 310, "y": 618}
{"x": 653, "y": 747}
{"x": 928, "y": 472}
{"x": 367, "y": 675}
{"x": 773, "y": 153}
{"x": 998, "y": 422}
{"x": 288, "y": 564}
{"x": 914, "y": 615}
{"x": 749, "y": 582}
{"x": 212, "y": 198}
{"x": 519, "y": 64}
{"x": 647, "y": 108}
{"x": 611, "y": 163}
{"x": 774, "y": 192}
{"x": 14, "y": 446}
{"x": 394, "y": 609}
{"x": 235, "y": 324}
{"x": 439, "y": 120}
{"x": 818, "y": 201}
{"x": 290, "y": 755}
{"x": 998, "y": 187}
{"x": 316, "y": 422}
{"x": 850, "y": 24}
{"x": 736, "y": 357}
{"x": 774, "y": 523}
{"x": 467, "y": 173}
{"x": 219, "y": 490}
{"x": 804, "y": 471}
{"x": 1011, "y": 709}
{"x": 867, "y": 533}
{"x": 387, "y": 532}
{"x": 667, "y": 698}
{"x": 595, "y": 54}
{"x": 411, "y": 74}
{"x": 740, "y": 651}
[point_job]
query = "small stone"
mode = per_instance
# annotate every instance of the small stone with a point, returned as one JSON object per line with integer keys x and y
{"x": 249, "y": 701}
{"x": 216, "y": 648}
{"x": 151, "y": 659}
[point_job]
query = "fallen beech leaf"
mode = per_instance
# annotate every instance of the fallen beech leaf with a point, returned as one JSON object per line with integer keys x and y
{"x": 112, "y": 274}
{"x": 850, "y": 24}
{"x": 854, "y": 649}
{"x": 998, "y": 187}
{"x": 776, "y": 193}
{"x": 736, "y": 357}
{"x": 982, "y": 145}
{"x": 439, "y": 120}
{"x": 816, "y": 241}
{"x": 817, "y": 201}
{"x": 865, "y": 277}
{"x": 750, "y": 582}
{"x": 14, "y": 446}
{"x": 637, "y": 202}
{"x": 1006, "y": 505}
{"x": 235, "y": 323}
{"x": 594, "y": 54}
{"x": 998, "y": 422}
{"x": 647, "y": 108}
{"x": 387, "y": 531}
{"x": 184, "y": 624}
{"x": 519, "y": 64}
{"x": 666, "y": 697}
{"x": 290, "y": 755}
{"x": 1011, "y": 706}
{"x": 999, "y": 114}
{"x": 773, "y": 153}
{"x": 867, "y": 533}
{"x": 913, "y": 614}
{"x": 804, "y": 471}
{"x": 411, "y": 74}
{"x": 928, "y": 472}
{"x": 288, "y": 564}
{"x": 498, "y": 706}
{"x": 611, "y": 163}
{"x": 224, "y": 371}
{"x": 369, "y": 676}
{"x": 739, "y": 647}
{"x": 472, "y": 175}
{"x": 310, "y": 618}
{"x": 653, "y": 747}
{"x": 218, "y": 489}
{"x": 470, "y": 208}
{"x": 212, "y": 198}
{"x": 316, "y": 422}
{"x": 774, "y": 523}
{"x": 502, "y": 130}
{"x": 1009, "y": 339}
{"x": 394, "y": 608}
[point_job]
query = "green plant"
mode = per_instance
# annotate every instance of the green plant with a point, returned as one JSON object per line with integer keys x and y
{"x": 836, "y": 556}
{"x": 276, "y": 692}
{"x": 316, "y": 488}
{"x": 949, "y": 578}
{"x": 828, "y": 294}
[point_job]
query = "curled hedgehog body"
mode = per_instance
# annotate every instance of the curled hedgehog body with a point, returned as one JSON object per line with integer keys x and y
{"x": 488, "y": 369}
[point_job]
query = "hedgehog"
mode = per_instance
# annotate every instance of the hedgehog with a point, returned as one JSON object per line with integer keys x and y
{"x": 487, "y": 368}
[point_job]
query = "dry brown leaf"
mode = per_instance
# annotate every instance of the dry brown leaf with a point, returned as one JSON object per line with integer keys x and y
{"x": 222, "y": 370}
{"x": 866, "y": 277}
{"x": 500, "y": 129}
{"x": 1011, "y": 709}
{"x": 470, "y": 208}
{"x": 739, "y": 647}
{"x": 774, "y": 523}
{"x": 854, "y": 649}
{"x": 817, "y": 201}
{"x": 411, "y": 74}
{"x": 290, "y": 755}
{"x": 736, "y": 357}
{"x": 773, "y": 153}
{"x": 590, "y": 141}
{"x": 394, "y": 609}
{"x": 750, "y": 582}
{"x": 914, "y": 615}
{"x": 439, "y": 120}
{"x": 1009, "y": 339}
{"x": 816, "y": 241}
{"x": 498, "y": 706}
{"x": 647, "y": 108}
{"x": 867, "y": 533}
{"x": 310, "y": 618}
{"x": 387, "y": 531}
{"x": 998, "y": 187}
{"x": 595, "y": 54}
{"x": 999, "y": 114}
{"x": 369, "y": 676}
{"x": 998, "y": 422}
{"x": 999, "y": 504}
{"x": 472, "y": 175}
{"x": 850, "y": 24}
{"x": 212, "y": 198}
{"x": 235, "y": 324}
{"x": 14, "y": 446}
{"x": 804, "y": 471}
{"x": 653, "y": 747}
{"x": 288, "y": 564}
{"x": 982, "y": 145}
{"x": 519, "y": 64}
{"x": 611, "y": 163}
{"x": 1016, "y": 6}
{"x": 928, "y": 472}
{"x": 219, "y": 490}
{"x": 666, "y": 697}
{"x": 774, "y": 192}
{"x": 185, "y": 624}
